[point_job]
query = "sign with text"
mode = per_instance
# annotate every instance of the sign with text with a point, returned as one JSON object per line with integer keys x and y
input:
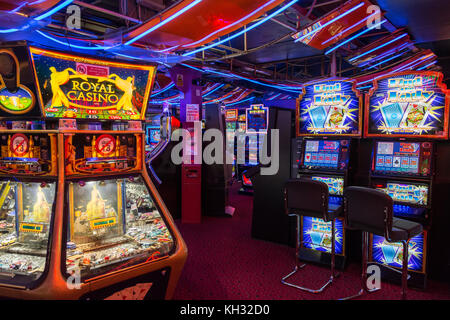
{"x": 330, "y": 107}
{"x": 78, "y": 87}
{"x": 408, "y": 104}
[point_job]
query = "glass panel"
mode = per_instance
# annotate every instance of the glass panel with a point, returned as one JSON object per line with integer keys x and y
{"x": 114, "y": 223}
{"x": 25, "y": 215}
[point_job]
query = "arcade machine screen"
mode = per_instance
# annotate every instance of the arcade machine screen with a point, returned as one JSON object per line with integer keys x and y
{"x": 113, "y": 223}
{"x": 26, "y": 209}
{"x": 153, "y": 137}
{"x": 326, "y": 154}
{"x": 398, "y": 158}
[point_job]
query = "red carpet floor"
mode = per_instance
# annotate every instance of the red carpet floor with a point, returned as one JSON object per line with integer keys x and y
{"x": 224, "y": 262}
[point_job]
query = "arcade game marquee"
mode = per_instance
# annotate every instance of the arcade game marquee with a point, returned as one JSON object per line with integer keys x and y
{"x": 405, "y": 112}
{"x": 80, "y": 217}
{"x": 328, "y": 116}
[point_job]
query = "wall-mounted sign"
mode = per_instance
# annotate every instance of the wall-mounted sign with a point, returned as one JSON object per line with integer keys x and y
{"x": 192, "y": 113}
{"x": 407, "y": 104}
{"x": 86, "y": 88}
{"x": 257, "y": 119}
{"x": 330, "y": 107}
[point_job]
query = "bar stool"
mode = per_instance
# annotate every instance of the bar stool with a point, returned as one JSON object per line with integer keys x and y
{"x": 307, "y": 197}
{"x": 371, "y": 211}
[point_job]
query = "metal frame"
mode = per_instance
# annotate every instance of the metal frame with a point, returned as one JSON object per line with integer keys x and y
{"x": 297, "y": 249}
{"x": 365, "y": 247}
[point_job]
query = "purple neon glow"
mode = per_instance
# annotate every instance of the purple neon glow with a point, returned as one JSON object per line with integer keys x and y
{"x": 386, "y": 54}
{"x": 330, "y": 22}
{"x": 378, "y": 47}
{"x": 349, "y": 28}
{"x": 228, "y": 26}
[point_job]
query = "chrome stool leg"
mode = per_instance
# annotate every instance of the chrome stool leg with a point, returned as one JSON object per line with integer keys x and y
{"x": 364, "y": 289}
{"x": 297, "y": 266}
{"x": 405, "y": 268}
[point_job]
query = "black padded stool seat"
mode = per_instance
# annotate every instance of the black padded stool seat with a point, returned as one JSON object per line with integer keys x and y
{"x": 403, "y": 230}
{"x": 307, "y": 197}
{"x": 371, "y": 211}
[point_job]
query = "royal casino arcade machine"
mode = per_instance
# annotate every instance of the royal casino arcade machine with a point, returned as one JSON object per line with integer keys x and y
{"x": 405, "y": 113}
{"x": 328, "y": 120}
{"x": 256, "y": 124}
{"x": 80, "y": 218}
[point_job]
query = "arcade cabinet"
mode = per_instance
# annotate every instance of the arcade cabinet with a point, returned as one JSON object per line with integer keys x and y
{"x": 165, "y": 175}
{"x": 406, "y": 113}
{"x": 269, "y": 221}
{"x": 216, "y": 177}
{"x": 327, "y": 123}
{"x": 80, "y": 218}
{"x": 255, "y": 128}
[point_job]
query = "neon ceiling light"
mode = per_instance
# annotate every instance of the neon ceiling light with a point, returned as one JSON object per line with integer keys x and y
{"x": 162, "y": 23}
{"x": 330, "y": 22}
{"x": 163, "y": 90}
{"x": 230, "y": 25}
{"x": 273, "y": 97}
{"x": 424, "y": 58}
{"x": 386, "y": 54}
{"x": 349, "y": 28}
{"x": 38, "y": 18}
{"x": 366, "y": 87}
{"x": 414, "y": 65}
{"x": 355, "y": 36}
{"x": 53, "y": 10}
{"x": 378, "y": 47}
{"x": 240, "y": 77}
{"x": 384, "y": 61}
{"x": 242, "y": 31}
{"x": 234, "y": 103}
{"x": 214, "y": 90}
{"x": 428, "y": 65}
{"x": 74, "y": 45}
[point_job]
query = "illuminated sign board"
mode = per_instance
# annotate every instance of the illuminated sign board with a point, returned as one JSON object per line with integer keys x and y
{"x": 257, "y": 118}
{"x": 407, "y": 104}
{"x": 330, "y": 107}
{"x": 86, "y": 88}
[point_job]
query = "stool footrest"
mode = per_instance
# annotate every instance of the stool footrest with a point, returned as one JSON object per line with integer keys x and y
{"x": 297, "y": 268}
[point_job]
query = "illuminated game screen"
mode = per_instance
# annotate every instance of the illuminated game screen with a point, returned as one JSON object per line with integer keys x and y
{"x": 113, "y": 223}
{"x": 412, "y": 104}
{"x": 316, "y": 234}
{"x": 153, "y": 135}
{"x": 335, "y": 184}
{"x": 391, "y": 253}
{"x": 409, "y": 193}
{"x": 399, "y": 157}
{"x": 322, "y": 153}
{"x": 329, "y": 108}
{"x": 257, "y": 119}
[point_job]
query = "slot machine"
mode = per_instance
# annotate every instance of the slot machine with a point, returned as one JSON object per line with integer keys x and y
{"x": 231, "y": 127}
{"x": 256, "y": 123}
{"x": 405, "y": 114}
{"x": 327, "y": 122}
{"x": 80, "y": 218}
